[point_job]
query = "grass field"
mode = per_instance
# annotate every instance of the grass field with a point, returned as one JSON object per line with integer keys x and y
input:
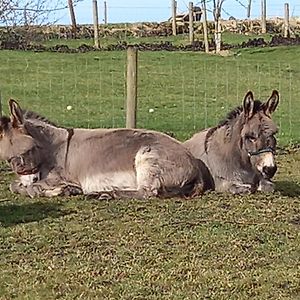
{"x": 213, "y": 247}
{"x": 188, "y": 91}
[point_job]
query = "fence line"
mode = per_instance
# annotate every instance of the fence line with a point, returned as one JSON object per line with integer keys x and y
{"x": 177, "y": 92}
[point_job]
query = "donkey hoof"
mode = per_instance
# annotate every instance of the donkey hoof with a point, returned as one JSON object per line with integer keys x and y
{"x": 100, "y": 196}
{"x": 16, "y": 186}
{"x": 105, "y": 196}
{"x": 71, "y": 190}
{"x": 35, "y": 191}
{"x": 241, "y": 189}
{"x": 266, "y": 186}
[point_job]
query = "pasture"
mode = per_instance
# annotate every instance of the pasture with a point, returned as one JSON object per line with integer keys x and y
{"x": 213, "y": 247}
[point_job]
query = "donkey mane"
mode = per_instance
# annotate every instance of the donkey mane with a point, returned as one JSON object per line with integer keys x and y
{"x": 28, "y": 114}
{"x": 232, "y": 115}
{"x": 4, "y": 121}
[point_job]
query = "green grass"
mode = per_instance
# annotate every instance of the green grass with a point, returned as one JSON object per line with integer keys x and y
{"x": 213, "y": 247}
{"x": 188, "y": 91}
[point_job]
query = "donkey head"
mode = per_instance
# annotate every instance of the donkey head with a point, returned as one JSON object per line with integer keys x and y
{"x": 258, "y": 133}
{"x": 17, "y": 146}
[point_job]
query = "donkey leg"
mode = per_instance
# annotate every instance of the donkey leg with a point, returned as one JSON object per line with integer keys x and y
{"x": 31, "y": 190}
{"x": 149, "y": 173}
{"x": 43, "y": 189}
{"x": 63, "y": 190}
{"x": 241, "y": 189}
{"x": 116, "y": 194}
{"x": 17, "y": 187}
{"x": 266, "y": 186}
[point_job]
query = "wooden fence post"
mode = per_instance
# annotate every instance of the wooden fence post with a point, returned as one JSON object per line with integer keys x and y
{"x": 286, "y": 20}
{"x": 105, "y": 13}
{"x": 174, "y": 8}
{"x": 204, "y": 23}
{"x": 249, "y": 9}
{"x": 0, "y": 105}
{"x": 73, "y": 18}
{"x": 131, "y": 103}
{"x": 191, "y": 22}
{"x": 96, "y": 23}
{"x": 263, "y": 16}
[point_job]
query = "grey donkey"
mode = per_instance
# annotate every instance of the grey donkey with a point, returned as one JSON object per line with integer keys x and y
{"x": 240, "y": 151}
{"x": 104, "y": 163}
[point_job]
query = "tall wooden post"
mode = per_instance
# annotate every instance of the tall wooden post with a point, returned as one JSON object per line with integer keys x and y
{"x": 73, "y": 19}
{"x": 0, "y": 105}
{"x": 250, "y": 24}
{"x": 96, "y": 23}
{"x": 191, "y": 22}
{"x": 174, "y": 9}
{"x": 286, "y": 20}
{"x": 204, "y": 24}
{"x": 249, "y": 9}
{"x": 105, "y": 13}
{"x": 131, "y": 103}
{"x": 263, "y": 16}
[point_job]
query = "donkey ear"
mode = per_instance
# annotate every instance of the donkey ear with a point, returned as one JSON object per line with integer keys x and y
{"x": 16, "y": 113}
{"x": 248, "y": 105}
{"x": 271, "y": 105}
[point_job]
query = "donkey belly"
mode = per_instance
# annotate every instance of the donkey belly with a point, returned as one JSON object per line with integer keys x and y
{"x": 120, "y": 180}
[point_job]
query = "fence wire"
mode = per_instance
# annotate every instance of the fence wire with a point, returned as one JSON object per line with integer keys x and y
{"x": 179, "y": 93}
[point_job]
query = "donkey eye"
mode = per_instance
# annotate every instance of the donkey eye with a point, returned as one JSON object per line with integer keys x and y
{"x": 251, "y": 138}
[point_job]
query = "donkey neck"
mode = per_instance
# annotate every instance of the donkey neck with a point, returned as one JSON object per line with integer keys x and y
{"x": 48, "y": 135}
{"x": 227, "y": 138}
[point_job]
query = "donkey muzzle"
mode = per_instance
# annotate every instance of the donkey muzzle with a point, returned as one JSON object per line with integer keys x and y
{"x": 264, "y": 161}
{"x": 269, "y": 172}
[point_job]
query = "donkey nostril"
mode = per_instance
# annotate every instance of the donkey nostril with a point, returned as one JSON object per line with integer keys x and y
{"x": 35, "y": 179}
{"x": 269, "y": 171}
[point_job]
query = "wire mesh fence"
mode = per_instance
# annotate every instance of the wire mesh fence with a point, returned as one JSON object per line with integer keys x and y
{"x": 178, "y": 92}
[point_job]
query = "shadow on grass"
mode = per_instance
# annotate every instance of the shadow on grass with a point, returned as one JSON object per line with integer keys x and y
{"x": 13, "y": 214}
{"x": 288, "y": 188}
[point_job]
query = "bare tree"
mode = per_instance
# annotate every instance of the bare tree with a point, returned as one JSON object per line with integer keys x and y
{"x": 30, "y": 12}
{"x": 217, "y": 17}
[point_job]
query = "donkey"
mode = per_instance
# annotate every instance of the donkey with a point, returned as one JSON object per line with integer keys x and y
{"x": 239, "y": 152}
{"x": 105, "y": 163}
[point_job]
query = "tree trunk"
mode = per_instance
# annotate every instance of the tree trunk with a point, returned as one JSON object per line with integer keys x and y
{"x": 217, "y": 17}
{"x": 218, "y": 35}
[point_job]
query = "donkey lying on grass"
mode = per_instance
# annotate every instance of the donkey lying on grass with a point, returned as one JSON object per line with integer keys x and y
{"x": 239, "y": 152}
{"x": 107, "y": 163}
